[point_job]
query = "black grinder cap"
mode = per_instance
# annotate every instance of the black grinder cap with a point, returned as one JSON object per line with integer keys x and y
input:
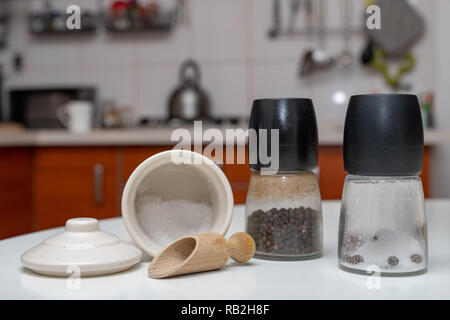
{"x": 296, "y": 121}
{"x": 383, "y": 135}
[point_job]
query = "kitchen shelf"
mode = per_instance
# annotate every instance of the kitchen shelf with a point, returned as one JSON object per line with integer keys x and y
{"x": 314, "y": 31}
{"x": 164, "y": 22}
{"x": 41, "y": 23}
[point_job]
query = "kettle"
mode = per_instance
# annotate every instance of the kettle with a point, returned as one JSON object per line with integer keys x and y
{"x": 189, "y": 101}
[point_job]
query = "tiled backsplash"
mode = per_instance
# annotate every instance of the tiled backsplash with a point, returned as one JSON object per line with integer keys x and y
{"x": 229, "y": 40}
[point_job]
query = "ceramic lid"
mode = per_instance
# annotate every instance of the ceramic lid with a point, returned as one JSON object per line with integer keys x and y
{"x": 82, "y": 245}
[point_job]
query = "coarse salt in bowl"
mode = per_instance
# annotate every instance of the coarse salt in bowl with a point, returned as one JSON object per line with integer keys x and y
{"x": 172, "y": 194}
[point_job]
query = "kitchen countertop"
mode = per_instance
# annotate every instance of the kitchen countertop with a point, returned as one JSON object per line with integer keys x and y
{"x": 331, "y": 136}
{"x": 259, "y": 279}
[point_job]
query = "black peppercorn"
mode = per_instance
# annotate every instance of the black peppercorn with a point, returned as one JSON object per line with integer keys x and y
{"x": 351, "y": 242}
{"x": 356, "y": 259}
{"x": 393, "y": 261}
{"x": 416, "y": 258}
{"x": 286, "y": 230}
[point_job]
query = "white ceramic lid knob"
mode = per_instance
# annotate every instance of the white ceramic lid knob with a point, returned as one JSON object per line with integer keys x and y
{"x": 82, "y": 225}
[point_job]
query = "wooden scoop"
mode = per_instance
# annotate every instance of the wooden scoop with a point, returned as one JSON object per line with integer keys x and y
{"x": 202, "y": 252}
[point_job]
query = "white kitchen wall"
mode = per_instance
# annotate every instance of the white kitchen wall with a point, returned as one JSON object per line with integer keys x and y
{"x": 228, "y": 38}
{"x": 441, "y": 155}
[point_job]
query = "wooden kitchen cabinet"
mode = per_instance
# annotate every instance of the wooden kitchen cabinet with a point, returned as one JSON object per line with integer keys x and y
{"x": 239, "y": 177}
{"x": 332, "y": 174}
{"x": 74, "y": 182}
{"x": 131, "y": 157}
{"x": 43, "y": 187}
{"x": 16, "y": 166}
{"x": 331, "y": 164}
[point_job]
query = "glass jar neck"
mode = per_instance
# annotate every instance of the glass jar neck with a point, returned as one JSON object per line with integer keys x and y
{"x": 285, "y": 173}
{"x": 381, "y": 177}
{"x": 281, "y": 173}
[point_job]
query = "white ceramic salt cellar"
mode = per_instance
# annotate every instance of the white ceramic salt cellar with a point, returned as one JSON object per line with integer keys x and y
{"x": 196, "y": 178}
{"x": 82, "y": 247}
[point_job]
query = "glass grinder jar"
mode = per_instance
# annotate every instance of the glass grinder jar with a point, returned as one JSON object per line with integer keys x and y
{"x": 283, "y": 208}
{"x": 382, "y": 223}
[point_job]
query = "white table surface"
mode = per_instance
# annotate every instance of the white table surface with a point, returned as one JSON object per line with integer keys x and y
{"x": 259, "y": 279}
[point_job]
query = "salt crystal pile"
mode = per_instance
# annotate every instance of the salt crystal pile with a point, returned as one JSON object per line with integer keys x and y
{"x": 166, "y": 221}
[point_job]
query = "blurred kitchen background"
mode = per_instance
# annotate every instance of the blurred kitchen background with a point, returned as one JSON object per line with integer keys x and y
{"x": 146, "y": 67}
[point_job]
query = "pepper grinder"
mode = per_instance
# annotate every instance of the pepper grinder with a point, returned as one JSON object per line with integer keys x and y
{"x": 284, "y": 207}
{"x": 382, "y": 222}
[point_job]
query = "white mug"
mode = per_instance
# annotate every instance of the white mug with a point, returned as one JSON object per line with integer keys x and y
{"x": 76, "y": 116}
